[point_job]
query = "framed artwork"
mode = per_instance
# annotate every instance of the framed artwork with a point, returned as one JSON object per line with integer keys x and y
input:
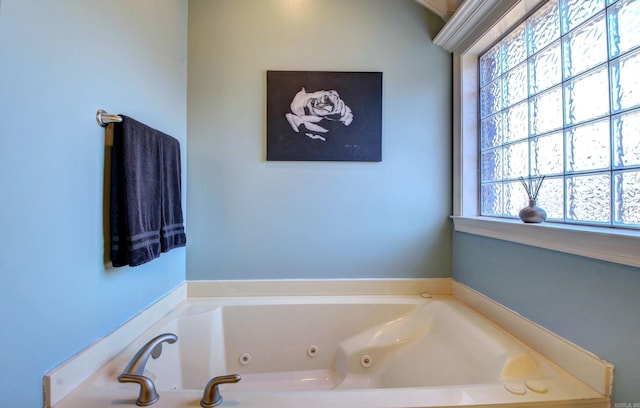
{"x": 324, "y": 116}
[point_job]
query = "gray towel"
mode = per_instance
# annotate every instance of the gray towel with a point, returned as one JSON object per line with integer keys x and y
{"x": 146, "y": 198}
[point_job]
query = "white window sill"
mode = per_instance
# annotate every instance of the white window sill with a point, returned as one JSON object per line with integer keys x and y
{"x": 607, "y": 244}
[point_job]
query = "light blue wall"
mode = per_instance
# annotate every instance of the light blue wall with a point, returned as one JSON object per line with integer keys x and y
{"x": 59, "y": 62}
{"x": 592, "y": 303}
{"x": 252, "y": 219}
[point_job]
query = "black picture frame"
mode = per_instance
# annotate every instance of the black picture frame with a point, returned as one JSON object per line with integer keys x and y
{"x": 324, "y": 116}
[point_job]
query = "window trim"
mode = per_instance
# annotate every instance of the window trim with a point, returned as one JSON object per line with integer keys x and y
{"x": 473, "y": 28}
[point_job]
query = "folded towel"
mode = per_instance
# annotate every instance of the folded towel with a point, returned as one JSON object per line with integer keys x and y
{"x": 172, "y": 234}
{"x": 146, "y": 199}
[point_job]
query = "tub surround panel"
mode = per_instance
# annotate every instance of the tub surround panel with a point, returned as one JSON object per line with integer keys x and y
{"x": 60, "y": 381}
{"x": 586, "y": 366}
{"x": 590, "y": 369}
{"x": 434, "y": 352}
{"x": 63, "y": 379}
{"x": 588, "y": 302}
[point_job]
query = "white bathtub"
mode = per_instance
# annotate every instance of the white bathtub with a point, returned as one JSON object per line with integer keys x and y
{"x": 363, "y": 351}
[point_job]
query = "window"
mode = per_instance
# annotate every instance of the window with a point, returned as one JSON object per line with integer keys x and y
{"x": 559, "y": 97}
{"x": 472, "y": 31}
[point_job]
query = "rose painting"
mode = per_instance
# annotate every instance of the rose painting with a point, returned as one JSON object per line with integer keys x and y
{"x": 324, "y": 116}
{"x": 307, "y": 109}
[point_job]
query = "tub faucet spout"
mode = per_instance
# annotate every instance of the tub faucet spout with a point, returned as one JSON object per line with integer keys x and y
{"x": 134, "y": 371}
{"x": 212, "y": 397}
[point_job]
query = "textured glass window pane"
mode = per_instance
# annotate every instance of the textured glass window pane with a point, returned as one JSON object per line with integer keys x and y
{"x": 585, "y": 47}
{"x": 515, "y": 198}
{"x": 491, "y": 162}
{"x": 516, "y": 124}
{"x": 627, "y": 197}
{"x": 588, "y": 146}
{"x": 490, "y": 67}
{"x": 574, "y": 12}
{"x": 516, "y": 160}
{"x": 491, "y": 98}
{"x": 545, "y": 69}
{"x": 545, "y": 111}
{"x": 626, "y": 139}
{"x": 491, "y": 131}
{"x": 551, "y": 198}
{"x": 624, "y": 21}
{"x": 543, "y": 27}
{"x": 515, "y": 85}
{"x": 514, "y": 48}
{"x": 589, "y": 198}
{"x": 491, "y": 199}
{"x": 570, "y": 112}
{"x": 586, "y": 97}
{"x": 547, "y": 155}
{"x": 625, "y": 82}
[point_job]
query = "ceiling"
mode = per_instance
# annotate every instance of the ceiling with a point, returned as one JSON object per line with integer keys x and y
{"x": 443, "y": 8}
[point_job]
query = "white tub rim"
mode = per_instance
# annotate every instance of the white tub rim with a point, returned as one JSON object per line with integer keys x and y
{"x": 582, "y": 364}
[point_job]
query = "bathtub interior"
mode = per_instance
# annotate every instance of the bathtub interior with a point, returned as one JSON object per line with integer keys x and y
{"x": 322, "y": 346}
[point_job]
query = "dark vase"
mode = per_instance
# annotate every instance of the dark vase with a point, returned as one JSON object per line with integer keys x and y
{"x": 532, "y": 214}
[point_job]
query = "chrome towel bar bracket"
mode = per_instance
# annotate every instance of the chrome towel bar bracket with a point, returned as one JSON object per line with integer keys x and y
{"x": 104, "y": 118}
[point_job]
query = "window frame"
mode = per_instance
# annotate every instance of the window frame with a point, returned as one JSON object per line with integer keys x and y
{"x": 474, "y": 27}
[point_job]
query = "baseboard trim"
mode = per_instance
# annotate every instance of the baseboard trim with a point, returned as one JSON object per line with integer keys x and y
{"x": 319, "y": 287}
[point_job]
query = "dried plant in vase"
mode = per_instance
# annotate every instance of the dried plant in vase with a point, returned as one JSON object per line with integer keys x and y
{"x": 532, "y": 213}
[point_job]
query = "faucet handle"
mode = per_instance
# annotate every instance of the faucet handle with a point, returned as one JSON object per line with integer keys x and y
{"x": 148, "y": 395}
{"x": 212, "y": 397}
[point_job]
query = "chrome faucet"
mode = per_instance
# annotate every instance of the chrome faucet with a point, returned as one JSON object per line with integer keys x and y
{"x": 133, "y": 372}
{"x": 212, "y": 397}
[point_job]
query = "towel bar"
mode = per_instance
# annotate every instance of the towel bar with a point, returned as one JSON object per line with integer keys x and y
{"x": 104, "y": 118}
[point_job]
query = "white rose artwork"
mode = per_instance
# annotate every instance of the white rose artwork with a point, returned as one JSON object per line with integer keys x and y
{"x": 309, "y": 109}
{"x": 324, "y": 116}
